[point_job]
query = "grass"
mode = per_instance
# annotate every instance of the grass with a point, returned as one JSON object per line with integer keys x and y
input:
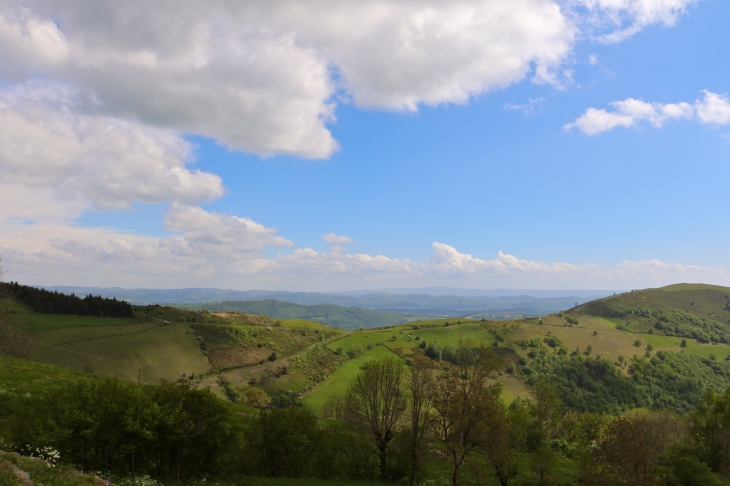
{"x": 22, "y": 376}
{"x": 668, "y": 343}
{"x": 608, "y": 322}
{"x": 72, "y": 334}
{"x": 35, "y": 323}
{"x": 336, "y": 384}
{"x": 239, "y": 342}
{"x": 698, "y": 299}
{"x": 164, "y": 351}
{"x": 40, "y": 473}
{"x": 452, "y": 335}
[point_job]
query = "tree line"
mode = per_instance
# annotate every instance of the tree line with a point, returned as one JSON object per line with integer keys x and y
{"x": 45, "y": 301}
{"x": 409, "y": 422}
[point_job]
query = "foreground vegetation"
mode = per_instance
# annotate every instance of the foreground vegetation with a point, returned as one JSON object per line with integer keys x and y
{"x": 631, "y": 389}
{"x": 425, "y": 426}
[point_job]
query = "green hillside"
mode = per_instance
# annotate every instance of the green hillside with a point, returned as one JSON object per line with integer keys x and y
{"x": 607, "y": 355}
{"x": 694, "y": 311}
{"x": 332, "y": 315}
{"x": 697, "y": 299}
{"x": 657, "y": 348}
{"x": 164, "y": 342}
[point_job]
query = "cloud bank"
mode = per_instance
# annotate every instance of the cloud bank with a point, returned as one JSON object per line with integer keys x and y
{"x": 212, "y": 249}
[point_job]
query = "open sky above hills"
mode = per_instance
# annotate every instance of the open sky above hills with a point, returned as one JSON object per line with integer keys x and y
{"x": 319, "y": 146}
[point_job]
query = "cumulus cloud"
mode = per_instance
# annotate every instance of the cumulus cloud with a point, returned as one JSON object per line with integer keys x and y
{"x": 711, "y": 109}
{"x": 111, "y": 163}
{"x": 397, "y": 55}
{"x": 336, "y": 241}
{"x": 261, "y": 76}
{"x": 225, "y": 251}
{"x": 206, "y": 233}
{"x": 96, "y": 97}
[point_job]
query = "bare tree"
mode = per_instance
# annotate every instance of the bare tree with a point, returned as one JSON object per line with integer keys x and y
{"x": 420, "y": 384}
{"x": 375, "y": 401}
{"x": 465, "y": 401}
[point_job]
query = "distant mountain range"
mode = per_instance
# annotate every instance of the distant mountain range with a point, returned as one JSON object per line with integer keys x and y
{"x": 348, "y": 298}
{"x": 483, "y": 293}
{"x": 400, "y": 305}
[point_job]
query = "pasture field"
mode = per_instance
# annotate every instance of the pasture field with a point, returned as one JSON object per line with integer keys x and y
{"x": 160, "y": 352}
{"x": 73, "y": 334}
{"x": 22, "y": 376}
{"x": 35, "y": 323}
{"x": 608, "y": 322}
{"x": 336, "y": 384}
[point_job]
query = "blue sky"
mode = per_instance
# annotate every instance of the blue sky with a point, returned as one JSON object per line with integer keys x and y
{"x": 422, "y": 167}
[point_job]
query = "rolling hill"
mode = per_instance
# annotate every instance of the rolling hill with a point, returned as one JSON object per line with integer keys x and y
{"x": 654, "y": 348}
{"x": 331, "y": 315}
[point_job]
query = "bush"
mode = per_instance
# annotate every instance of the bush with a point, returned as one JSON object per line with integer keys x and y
{"x": 355, "y": 351}
{"x": 256, "y": 397}
{"x": 230, "y": 391}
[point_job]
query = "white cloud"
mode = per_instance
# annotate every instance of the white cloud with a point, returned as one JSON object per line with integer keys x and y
{"x": 208, "y": 233}
{"x": 712, "y": 109}
{"x": 398, "y": 55}
{"x": 625, "y": 18}
{"x": 46, "y": 143}
{"x": 22, "y": 204}
{"x": 96, "y": 96}
{"x": 337, "y": 239}
{"x": 530, "y": 107}
{"x": 257, "y": 76}
{"x": 196, "y": 67}
{"x": 262, "y": 76}
{"x": 225, "y": 251}
{"x": 336, "y": 242}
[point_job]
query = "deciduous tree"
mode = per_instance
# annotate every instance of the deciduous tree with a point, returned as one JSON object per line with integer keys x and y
{"x": 465, "y": 400}
{"x": 420, "y": 384}
{"x": 375, "y": 401}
